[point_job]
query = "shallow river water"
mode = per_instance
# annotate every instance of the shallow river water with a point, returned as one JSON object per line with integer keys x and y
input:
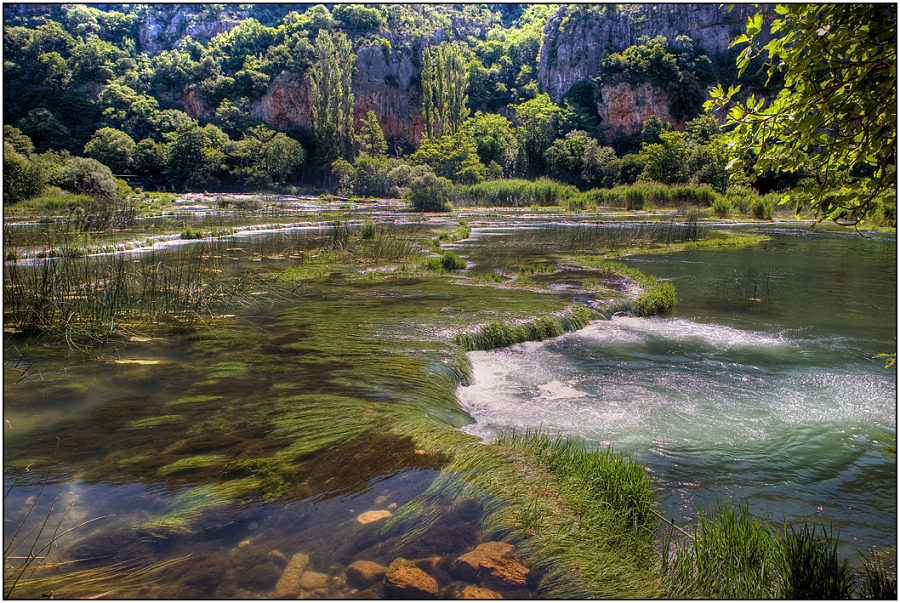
{"x": 761, "y": 386}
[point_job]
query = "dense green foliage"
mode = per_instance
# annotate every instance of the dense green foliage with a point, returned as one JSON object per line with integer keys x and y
{"x": 835, "y": 119}
{"x": 191, "y": 111}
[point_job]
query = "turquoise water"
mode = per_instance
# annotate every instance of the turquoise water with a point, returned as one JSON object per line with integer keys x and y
{"x": 760, "y": 387}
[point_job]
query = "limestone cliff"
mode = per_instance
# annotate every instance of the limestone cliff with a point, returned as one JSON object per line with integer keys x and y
{"x": 577, "y": 37}
{"x": 624, "y": 108}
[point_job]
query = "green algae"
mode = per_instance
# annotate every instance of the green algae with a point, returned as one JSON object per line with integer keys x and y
{"x": 134, "y": 460}
{"x": 153, "y": 421}
{"x": 193, "y": 400}
{"x": 191, "y": 463}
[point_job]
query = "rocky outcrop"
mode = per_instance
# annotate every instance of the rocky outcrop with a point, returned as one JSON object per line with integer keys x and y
{"x": 577, "y": 37}
{"x": 384, "y": 82}
{"x": 164, "y": 28}
{"x": 624, "y": 108}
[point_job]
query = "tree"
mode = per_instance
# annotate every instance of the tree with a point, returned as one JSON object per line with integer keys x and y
{"x": 196, "y": 158}
{"x": 445, "y": 79}
{"x": 452, "y": 157}
{"x": 539, "y": 119}
{"x": 836, "y": 114}
{"x": 112, "y": 148}
{"x": 664, "y": 161}
{"x": 371, "y": 137}
{"x": 330, "y": 80}
{"x": 494, "y": 139}
{"x": 266, "y": 157}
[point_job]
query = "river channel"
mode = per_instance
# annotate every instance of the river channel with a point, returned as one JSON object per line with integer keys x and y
{"x": 761, "y": 387}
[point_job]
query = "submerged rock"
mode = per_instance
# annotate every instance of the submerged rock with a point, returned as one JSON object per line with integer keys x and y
{"x": 373, "y": 516}
{"x": 363, "y": 573}
{"x": 289, "y": 583}
{"x": 475, "y": 592}
{"x": 492, "y": 565}
{"x": 313, "y": 580}
{"x": 404, "y": 580}
{"x": 466, "y": 567}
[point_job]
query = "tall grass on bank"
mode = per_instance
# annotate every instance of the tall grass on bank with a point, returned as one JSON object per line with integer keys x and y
{"x": 513, "y": 193}
{"x": 734, "y": 555}
{"x": 97, "y": 297}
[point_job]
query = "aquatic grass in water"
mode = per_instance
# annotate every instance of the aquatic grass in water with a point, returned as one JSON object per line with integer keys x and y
{"x": 95, "y": 298}
{"x": 498, "y": 333}
{"x": 190, "y": 463}
{"x": 153, "y": 421}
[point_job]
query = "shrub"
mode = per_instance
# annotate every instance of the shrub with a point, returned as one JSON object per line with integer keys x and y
{"x": 760, "y": 209}
{"x": 88, "y": 177}
{"x": 722, "y": 207}
{"x": 450, "y": 262}
{"x": 367, "y": 230}
{"x": 428, "y": 191}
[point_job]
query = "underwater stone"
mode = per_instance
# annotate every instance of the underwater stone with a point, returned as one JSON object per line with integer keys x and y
{"x": 475, "y": 592}
{"x": 502, "y": 573}
{"x": 363, "y": 573}
{"x": 289, "y": 583}
{"x": 372, "y": 516}
{"x": 467, "y": 567}
{"x": 404, "y": 580}
{"x": 313, "y": 580}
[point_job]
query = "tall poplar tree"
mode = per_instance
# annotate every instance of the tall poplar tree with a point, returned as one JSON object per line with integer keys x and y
{"x": 445, "y": 80}
{"x": 330, "y": 80}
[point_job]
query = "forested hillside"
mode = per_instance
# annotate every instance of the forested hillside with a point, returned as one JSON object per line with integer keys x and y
{"x": 367, "y": 100}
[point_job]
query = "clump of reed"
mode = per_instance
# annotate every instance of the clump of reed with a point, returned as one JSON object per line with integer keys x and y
{"x": 513, "y": 193}
{"x": 94, "y": 298}
{"x": 622, "y": 236}
{"x": 743, "y": 288}
{"x": 500, "y": 333}
{"x": 657, "y": 297}
{"x": 651, "y": 195}
{"x": 732, "y": 554}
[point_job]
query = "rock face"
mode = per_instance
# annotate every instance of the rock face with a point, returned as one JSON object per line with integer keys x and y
{"x": 624, "y": 108}
{"x": 384, "y": 82}
{"x": 163, "y": 28}
{"x": 577, "y": 37}
{"x": 406, "y": 581}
